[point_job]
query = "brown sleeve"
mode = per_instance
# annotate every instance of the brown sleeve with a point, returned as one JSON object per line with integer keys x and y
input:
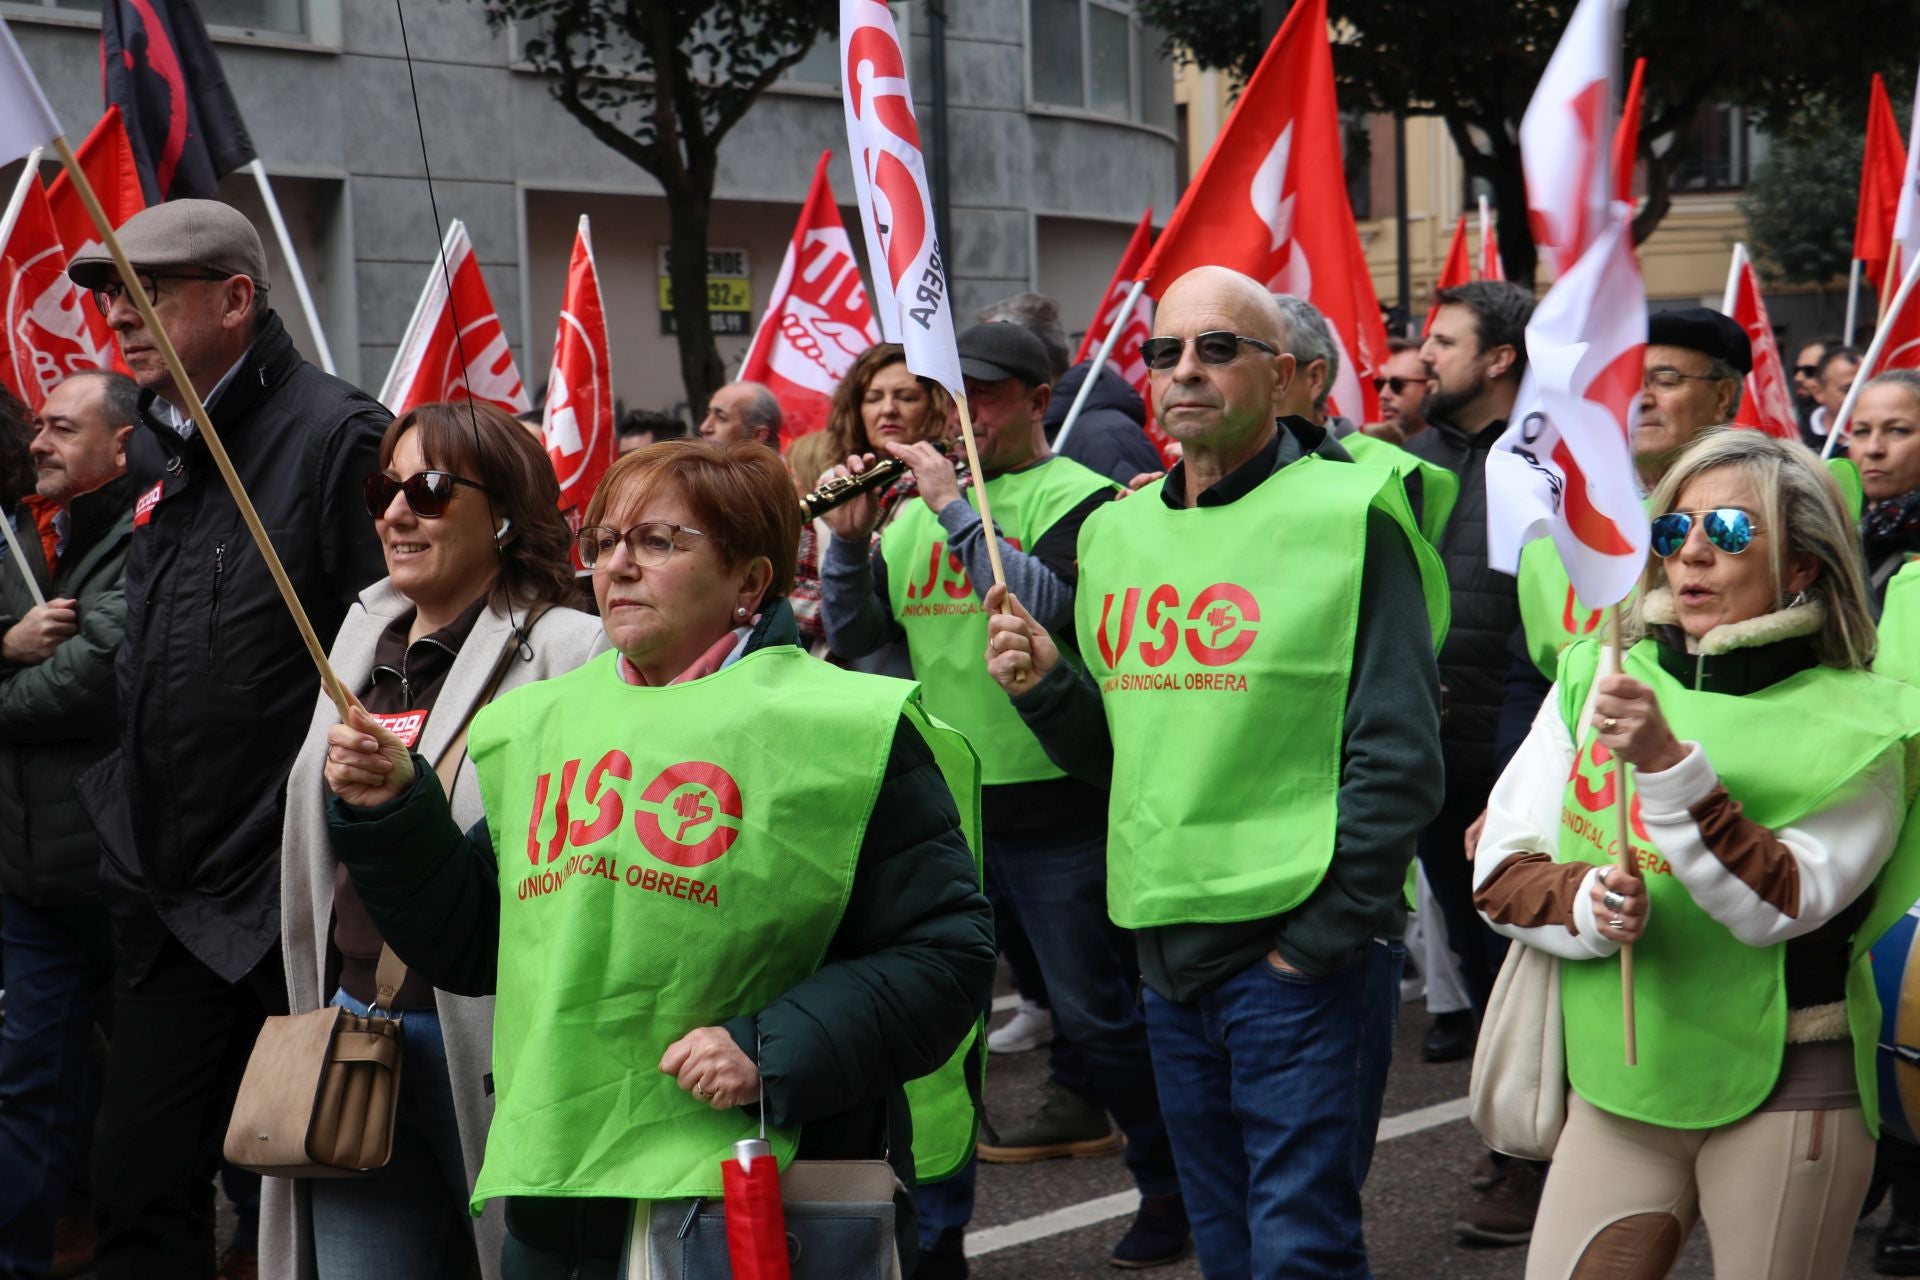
{"x": 1529, "y": 890}
{"x": 1750, "y": 852}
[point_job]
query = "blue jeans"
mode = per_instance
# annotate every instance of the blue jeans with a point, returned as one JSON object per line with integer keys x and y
{"x": 1271, "y": 1084}
{"x": 58, "y": 960}
{"x": 407, "y": 1221}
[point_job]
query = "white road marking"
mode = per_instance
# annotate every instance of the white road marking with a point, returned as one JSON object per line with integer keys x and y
{"x": 1119, "y": 1205}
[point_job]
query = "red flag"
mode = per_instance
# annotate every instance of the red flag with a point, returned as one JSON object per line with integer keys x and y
{"x": 1767, "y": 403}
{"x": 47, "y": 335}
{"x": 1453, "y": 272}
{"x": 1268, "y": 201}
{"x": 1626, "y": 142}
{"x": 107, "y": 157}
{"x": 430, "y": 364}
{"x": 577, "y": 422}
{"x": 1564, "y": 465}
{"x": 1491, "y": 268}
{"x": 1902, "y": 348}
{"x": 1883, "y": 167}
{"x": 1126, "y": 351}
{"x": 817, "y": 322}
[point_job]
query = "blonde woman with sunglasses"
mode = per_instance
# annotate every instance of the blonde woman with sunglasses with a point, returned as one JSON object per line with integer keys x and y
{"x": 1768, "y": 788}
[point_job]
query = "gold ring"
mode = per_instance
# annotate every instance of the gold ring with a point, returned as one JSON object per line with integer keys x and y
{"x": 702, "y": 1095}
{"x": 1608, "y": 725}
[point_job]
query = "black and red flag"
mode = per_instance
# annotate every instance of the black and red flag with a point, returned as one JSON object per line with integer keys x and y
{"x": 158, "y": 66}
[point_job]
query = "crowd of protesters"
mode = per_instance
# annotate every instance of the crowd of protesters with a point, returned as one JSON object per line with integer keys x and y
{"x": 1181, "y": 748}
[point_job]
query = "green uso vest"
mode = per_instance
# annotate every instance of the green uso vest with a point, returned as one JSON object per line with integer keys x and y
{"x": 946, "y": 625}
{"x": 1899, "y": 651}
{"x": 1711, "y": 1011}
{"x": 1439, "y": 487}
{"x": 669, "y": 858}
{"x": 1853, "y": 493}
{"x": 1221, "y": 639}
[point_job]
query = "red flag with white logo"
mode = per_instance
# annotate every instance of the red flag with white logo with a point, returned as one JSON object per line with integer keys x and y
{"x": 1766, "y": 404}
{"x": 1455, "y": 271}
{"x": 1883, "y": 165}
{"x": 1564, "y": 464}
{"x": 107, "y": 157}
{"x": 1269, "y": 201}
{"x": 48, "y": 333}
{"x": 1626, "y": 139}
{"x": 817, "y": 321}
{"x": 577, "y": 422}
{"x": 434, "y": 362}
{"x": 1126, "y": 350}
{"x": 890, "y": 178}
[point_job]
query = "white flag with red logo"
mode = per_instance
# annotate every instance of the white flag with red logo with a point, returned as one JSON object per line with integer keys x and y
{"x": 438, "y": 362}
{"x": 1906, "y": 218}
{"x": 890, "y": 177}
{"x": 1126, "y": 355}
{"x": 49, "y": 331}
{"x": 1269, "y": 202}
{"x": 1564, "y": 463}
{"x": 817, "y": 321}
{"x": 1765, "y": 402}
{"x": 577, "y": 422}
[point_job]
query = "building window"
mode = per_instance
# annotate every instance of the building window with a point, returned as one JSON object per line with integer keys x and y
{"x": 272, "y": 17}
{"x": 1722, "y": 148}
{"x": 1095, "y": 55}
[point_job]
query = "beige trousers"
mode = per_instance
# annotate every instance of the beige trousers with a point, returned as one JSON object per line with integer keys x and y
{"x": 1779, "y": 1191}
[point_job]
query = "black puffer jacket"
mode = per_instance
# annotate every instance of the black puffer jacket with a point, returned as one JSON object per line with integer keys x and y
{"x": 1474, "y": 659}
{"x": 215, "y": 685}
{"x": 1110, "y": 435}
{"x": 56, "y": 717}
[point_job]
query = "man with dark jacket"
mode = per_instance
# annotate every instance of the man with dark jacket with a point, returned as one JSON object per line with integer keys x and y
{"x": 1110, "y": 435}
{"x": 56, "y": 721}
{"x": 1475, "y": 353}
{"x": 1268, "y": 727}
{"x": 215, "y": 689}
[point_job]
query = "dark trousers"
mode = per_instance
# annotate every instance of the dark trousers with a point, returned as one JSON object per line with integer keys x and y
{"x": 57, "y": 969}
{"x": 1443, "y": 854}
{"x": 181, "y": 1040}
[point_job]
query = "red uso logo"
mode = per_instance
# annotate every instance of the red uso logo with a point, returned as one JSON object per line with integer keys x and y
{"x": 1598, "y": 797}
{"x": 688, "y": 815}
{"x": 1218, "y": 631}
{"x": 947, "y": 573}
{"x": 1570, "y": 621}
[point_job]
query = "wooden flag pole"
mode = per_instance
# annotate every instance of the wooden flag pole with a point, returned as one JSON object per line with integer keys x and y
{"x": 198, "y": 412}
{"x": 1623, "y": 819}
{"x": 1888, "y": 285}
{"x": 980, "y": 487}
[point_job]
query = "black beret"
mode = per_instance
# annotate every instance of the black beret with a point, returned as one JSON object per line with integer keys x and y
{"x": 1698, "y": 329}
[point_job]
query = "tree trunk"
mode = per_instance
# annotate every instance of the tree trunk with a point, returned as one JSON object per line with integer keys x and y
{"x": 1518, "y": 254}
{"x": 701, "y": 370}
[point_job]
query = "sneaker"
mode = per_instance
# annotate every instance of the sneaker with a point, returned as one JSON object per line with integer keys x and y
{"x": 1897, "y": 1251}
{"x": 72, "y": 1246}
{"x": 1065, "y": 1124}
{"x": 1158, "y": 1234}
{"x": 1030, "y": 1027}
{"x": 1502, "y": 1214}
{"x": 1450, "y": 1038}
{"x": 238, "y": 1264}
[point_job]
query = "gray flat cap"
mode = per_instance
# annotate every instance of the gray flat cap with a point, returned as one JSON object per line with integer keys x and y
{"x": 203, "y": 235}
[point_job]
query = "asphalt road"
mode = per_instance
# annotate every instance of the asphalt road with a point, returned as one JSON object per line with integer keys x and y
{"x": 1412, "y": 1195}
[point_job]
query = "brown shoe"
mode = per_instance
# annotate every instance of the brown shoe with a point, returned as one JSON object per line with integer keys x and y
{"x": 72, "y": 1246}
{"x": 1502, "y": 1213}
{"x": 1065, "y": 1124}
{"x": 238, "y": 1264}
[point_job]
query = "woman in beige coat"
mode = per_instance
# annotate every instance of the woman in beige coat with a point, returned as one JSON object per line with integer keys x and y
{"x": 477, "y": 556}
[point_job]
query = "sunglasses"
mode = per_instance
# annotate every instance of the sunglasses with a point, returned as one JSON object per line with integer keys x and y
{"x": 1807, "y": 370}
{"x": 1398, "y": 385}
{"x": 1728, "y": 528}
{"x": 428, "y": 492}
{"x": 1214, "y": 347}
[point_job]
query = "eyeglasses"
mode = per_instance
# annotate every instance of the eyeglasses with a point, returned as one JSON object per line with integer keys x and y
{"x": 428, "y": 492}
{"x": 111, "y": 291}
{"x": 649, "y": 545}
{"x": 1672, "y": 379}
{"x": 1398, "y": 385}
{"x": 1806, "y": 370}
{"x": 1728, "y": 528}
{"x": 1214, "y": 347}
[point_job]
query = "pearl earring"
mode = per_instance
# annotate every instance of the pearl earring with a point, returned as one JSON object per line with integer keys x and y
{"x": 741, "y": 611}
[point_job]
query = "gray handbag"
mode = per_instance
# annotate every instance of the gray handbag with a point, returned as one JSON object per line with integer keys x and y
{"x": 840, "y": 1223}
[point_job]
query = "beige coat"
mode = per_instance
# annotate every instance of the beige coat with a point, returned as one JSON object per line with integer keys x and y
{"x": 561, "y": 640}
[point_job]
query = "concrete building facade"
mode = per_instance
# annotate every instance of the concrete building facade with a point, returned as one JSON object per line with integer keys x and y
{"x": 1059, "y": 127}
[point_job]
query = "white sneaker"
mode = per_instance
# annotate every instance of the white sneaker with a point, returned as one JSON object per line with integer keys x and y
{"x": 1030, "y": 1027}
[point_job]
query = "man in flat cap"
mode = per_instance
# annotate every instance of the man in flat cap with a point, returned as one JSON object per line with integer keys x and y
{"x": 215, "y": 692}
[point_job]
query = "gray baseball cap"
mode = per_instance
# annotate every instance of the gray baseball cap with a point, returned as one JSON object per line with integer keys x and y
{"x": 999, "y": 350}
{"x": 203, "y": 235}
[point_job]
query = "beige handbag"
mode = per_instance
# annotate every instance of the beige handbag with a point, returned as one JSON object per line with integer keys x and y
{"x": 320, "y": 1090}
{"x": 1518, "y": 1094}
